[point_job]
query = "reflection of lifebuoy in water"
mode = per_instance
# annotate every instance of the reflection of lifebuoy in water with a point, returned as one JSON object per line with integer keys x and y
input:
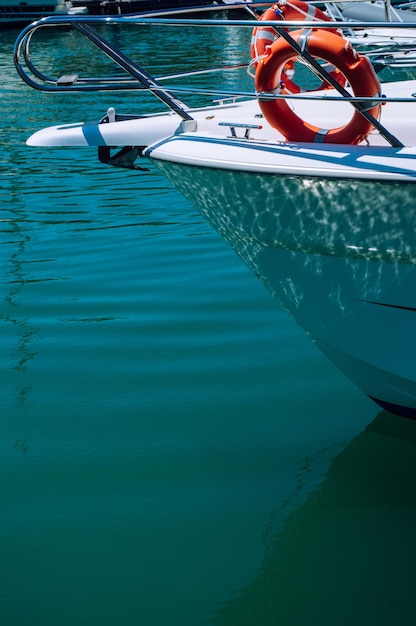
{"x": 264, "y": 36}
{"x": 329, "y": 47}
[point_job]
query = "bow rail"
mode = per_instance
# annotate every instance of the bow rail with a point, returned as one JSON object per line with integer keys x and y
{"x": 132, "y": 76}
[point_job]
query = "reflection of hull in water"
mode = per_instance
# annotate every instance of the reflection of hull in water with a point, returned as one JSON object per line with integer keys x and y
{"x": 347, "y": 553}
{"x": 338, "y": 254}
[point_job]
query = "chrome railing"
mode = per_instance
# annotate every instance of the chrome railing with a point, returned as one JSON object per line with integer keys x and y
{"x": 135, "y": 77}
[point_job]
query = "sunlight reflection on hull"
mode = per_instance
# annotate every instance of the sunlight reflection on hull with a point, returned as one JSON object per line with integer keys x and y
{"x": 339, "y": 255}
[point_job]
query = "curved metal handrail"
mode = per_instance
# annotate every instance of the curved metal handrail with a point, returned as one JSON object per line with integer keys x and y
{"x": 137, "y": 78}
{"x": 133, "y": 78}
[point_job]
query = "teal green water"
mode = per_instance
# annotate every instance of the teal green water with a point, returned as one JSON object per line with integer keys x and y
{"x": 174, "y": 450}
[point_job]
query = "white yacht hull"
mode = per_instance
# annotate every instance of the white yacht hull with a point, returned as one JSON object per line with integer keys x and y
{"x": 329, "y": 229}
{"x": 334, "y": 255}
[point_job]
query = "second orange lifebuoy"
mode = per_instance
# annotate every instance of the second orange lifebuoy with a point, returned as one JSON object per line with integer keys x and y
{"x": 329, "y": 47}
{"x": 263, "y": 36}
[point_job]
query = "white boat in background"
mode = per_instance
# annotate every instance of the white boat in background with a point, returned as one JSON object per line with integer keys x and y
{"x": 397, "y": 44}
{"x": 314, "y": 187}
{"x": 17, "y": 13}
{"x": 371, "y": 11}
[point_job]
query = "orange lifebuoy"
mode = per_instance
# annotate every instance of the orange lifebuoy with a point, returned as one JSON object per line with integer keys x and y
{"x": 263, "y": 36}
{"x": 334, "y": 49}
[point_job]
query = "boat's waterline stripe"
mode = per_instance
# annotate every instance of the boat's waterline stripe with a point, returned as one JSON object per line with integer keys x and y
{"x": 397, "y": 409}
{"x": 392, "y": 306}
